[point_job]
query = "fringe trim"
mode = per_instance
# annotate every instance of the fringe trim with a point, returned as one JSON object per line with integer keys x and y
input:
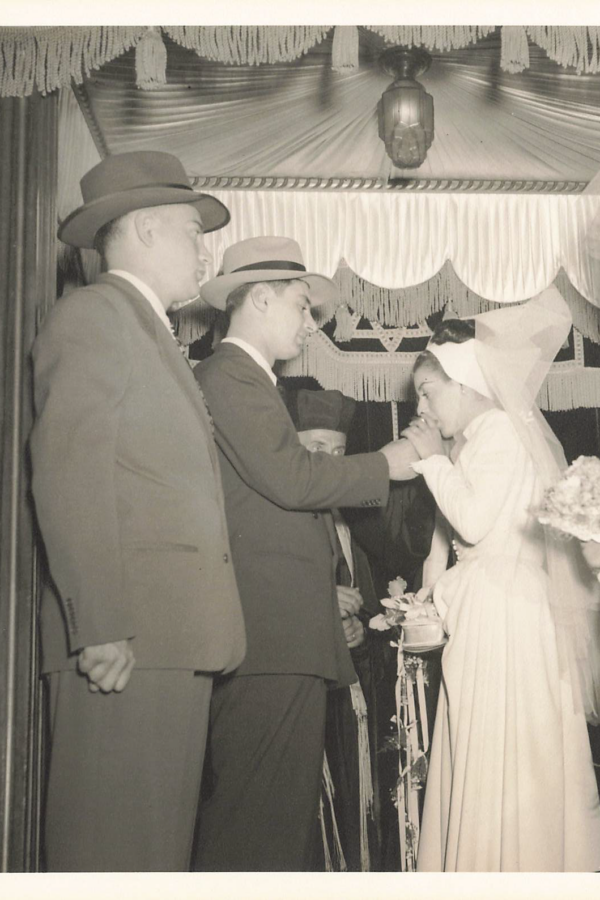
{"x": 515, "y": 49}
{"x": 385, "y": 377}
{"x": 434, "y": 37}
{"x": 570, "y": 390}
{"x": 365, "y": 778}
{"x": 194, "y": 321}
{"x": 46, "y": 58}
{"x": 577, "y": 46}
{"x": 401, "y": 307}
{"x": 252, "y": 45}
{"x": 151, "y": 60}
{"x": 337, "y": 862}
{"x": 344, "y": 50}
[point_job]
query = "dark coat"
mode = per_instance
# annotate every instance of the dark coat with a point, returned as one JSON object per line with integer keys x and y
{"x": 283, "y": 550}
{"x": 128, "y": 490}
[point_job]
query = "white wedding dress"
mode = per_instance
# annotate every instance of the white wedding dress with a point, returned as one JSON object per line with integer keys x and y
{"x": 511, "y": 784}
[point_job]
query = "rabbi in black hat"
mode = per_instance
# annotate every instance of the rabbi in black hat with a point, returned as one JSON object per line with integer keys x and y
{"x": 144, "y": 606}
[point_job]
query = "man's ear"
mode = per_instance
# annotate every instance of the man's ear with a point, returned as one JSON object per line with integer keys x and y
{"x": 260, "y": 295}
{"x": 146, "y": 223}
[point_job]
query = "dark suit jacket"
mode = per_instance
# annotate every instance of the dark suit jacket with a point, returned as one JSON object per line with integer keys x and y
{"x": 128, "y": 490}
{"x": 283, "y": 550}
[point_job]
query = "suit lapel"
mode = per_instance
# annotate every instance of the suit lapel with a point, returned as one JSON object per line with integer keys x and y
{"x": 260, "y": 375}
{"x": 171, "y": 355}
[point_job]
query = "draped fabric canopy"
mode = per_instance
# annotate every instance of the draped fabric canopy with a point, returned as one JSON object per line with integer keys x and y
{"x": 504, "y": 247}
{"x": 502, "y": 203}
{"x": 301, "y": 119}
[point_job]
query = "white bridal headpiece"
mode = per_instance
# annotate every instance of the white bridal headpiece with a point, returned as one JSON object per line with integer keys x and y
{"x": 459, "y": 362}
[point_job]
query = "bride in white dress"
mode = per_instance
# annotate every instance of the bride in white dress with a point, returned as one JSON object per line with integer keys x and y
{"x": 511, "y": 784}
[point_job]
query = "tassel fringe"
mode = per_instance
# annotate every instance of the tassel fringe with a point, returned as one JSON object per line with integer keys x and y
{"x": 193, "y": 322}
{"x": 48, "y": 57}
{"x": 45, "y": 58}
{"x": 515, "y": 49}
{"x": 434, "y": 37}
{"x": 401, "y": 307}
{"x": 385, "y": 377}
{"x": 151, "y": 60}
{"x": 365, "y": 778}
{"x": 248, "y": 45}
{"x": 344, "y": 50}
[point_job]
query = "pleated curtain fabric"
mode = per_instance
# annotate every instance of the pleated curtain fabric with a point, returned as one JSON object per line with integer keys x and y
{"x": 28, "y": 175}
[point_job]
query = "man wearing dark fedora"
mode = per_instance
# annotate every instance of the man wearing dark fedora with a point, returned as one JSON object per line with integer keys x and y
{"x": 142, "y": 606}
{"x": 268, "y": 717}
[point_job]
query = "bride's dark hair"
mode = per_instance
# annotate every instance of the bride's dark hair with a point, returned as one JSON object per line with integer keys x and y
{"x": 454, "y": 331}
{"x": 450, "y": 331}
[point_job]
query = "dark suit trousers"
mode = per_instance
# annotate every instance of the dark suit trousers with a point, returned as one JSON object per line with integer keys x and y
{"x": 125, "y": 772}
{"x": 267, "y": 737}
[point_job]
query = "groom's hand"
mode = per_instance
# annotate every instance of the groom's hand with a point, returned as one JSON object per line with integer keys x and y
{"x": 400, "y": 454}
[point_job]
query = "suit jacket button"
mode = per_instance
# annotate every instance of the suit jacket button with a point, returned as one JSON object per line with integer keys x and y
{"x": 315, "y": 515}
{"x": 226, "y": 557}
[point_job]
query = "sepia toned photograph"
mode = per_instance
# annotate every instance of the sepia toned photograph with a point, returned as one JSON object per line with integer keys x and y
{"x": 300, "y": 451}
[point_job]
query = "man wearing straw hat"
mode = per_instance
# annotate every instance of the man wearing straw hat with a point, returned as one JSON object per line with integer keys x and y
{"x": 129, "y": 500}
{"x": 268, "y": 718}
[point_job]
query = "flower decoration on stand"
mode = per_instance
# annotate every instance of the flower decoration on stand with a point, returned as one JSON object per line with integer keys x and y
{"x": 572, "y": 505}
{"x": 417, "y": 628}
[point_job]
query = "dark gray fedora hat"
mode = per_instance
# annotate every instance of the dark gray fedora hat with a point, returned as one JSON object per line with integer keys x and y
{"x": 123, "y": 182}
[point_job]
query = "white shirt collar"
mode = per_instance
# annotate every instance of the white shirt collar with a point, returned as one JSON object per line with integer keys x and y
{"x": 254, "y": 353}
{"x": 148, "y": 293}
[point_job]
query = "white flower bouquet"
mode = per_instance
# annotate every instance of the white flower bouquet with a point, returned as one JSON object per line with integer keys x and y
{"x": 572, "y": 505}
{"x": 421, "y": 626}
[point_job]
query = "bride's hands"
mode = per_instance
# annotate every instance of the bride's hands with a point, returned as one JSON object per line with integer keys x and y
{"x": 425, "y": 438}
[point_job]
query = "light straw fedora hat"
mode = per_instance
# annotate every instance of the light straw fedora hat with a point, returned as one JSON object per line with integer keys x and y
{"x": 265, "y": 259}
{"x": 127, "y": 181}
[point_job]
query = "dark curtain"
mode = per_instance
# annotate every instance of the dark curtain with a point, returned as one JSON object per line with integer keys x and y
{"x": 28, "y": 166}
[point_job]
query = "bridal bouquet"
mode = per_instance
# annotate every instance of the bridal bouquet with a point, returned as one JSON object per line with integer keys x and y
{"x": 420, "y": 623}
{"x": 572, "y": 505}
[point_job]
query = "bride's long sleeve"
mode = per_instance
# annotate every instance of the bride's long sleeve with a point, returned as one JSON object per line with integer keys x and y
{"x": 471, "y": 502}
{"x": 437, "y": 560}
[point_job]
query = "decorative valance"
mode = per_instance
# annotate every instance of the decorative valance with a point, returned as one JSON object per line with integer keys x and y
{"x": 386, "y": 376}
{"x": 502, "y": 247}
{"x": 46, "y": 58}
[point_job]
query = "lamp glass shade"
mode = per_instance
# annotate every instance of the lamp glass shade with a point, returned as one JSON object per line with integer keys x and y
{"x": 406, "y": 122}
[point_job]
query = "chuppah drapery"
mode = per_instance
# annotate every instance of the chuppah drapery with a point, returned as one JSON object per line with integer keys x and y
{"x": 504, "y": 247}
{"x": 47, "y": 57}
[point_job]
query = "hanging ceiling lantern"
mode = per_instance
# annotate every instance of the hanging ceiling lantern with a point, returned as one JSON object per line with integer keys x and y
{"x": 406, "y": 109}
